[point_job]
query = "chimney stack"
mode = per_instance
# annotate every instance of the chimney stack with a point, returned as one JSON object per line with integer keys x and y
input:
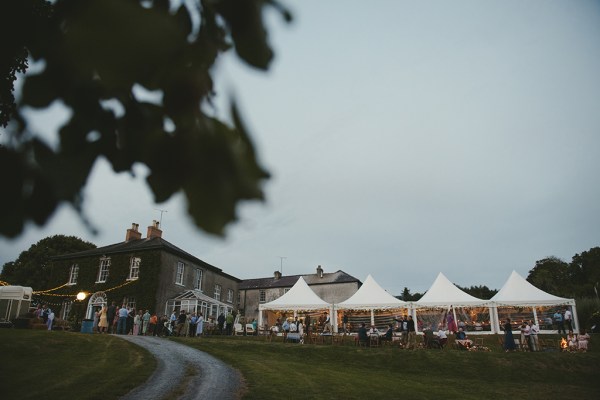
{"x": 133, "y": 233}
{"x": 277, "y": 275}
{"x": 320, "y": 271}
{"x": 154, "y": 231}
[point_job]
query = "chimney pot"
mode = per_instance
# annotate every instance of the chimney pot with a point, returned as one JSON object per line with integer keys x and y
{"x": 277, "y": 275}
{"x": 133, "y": 233}
{"x": 153, "y": 230}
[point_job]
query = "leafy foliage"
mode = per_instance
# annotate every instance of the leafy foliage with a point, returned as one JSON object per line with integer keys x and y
{"x": 481, "y": 291}
{"x": 94, "y": 61}
{"x": 580, "y": 278}
{"x": 34, "y": 268}
{"x": 143, "y": 289}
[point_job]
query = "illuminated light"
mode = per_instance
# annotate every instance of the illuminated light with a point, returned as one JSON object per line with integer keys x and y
{"x": 81, "y": 296}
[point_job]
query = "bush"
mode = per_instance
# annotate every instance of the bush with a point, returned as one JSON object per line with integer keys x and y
{"x": 588, "y": 312}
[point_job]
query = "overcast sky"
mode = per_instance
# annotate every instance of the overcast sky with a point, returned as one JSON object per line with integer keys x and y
{"x": 405, "y": 138}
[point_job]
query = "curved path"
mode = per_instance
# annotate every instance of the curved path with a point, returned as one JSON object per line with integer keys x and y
{"x": 185, "y": 372}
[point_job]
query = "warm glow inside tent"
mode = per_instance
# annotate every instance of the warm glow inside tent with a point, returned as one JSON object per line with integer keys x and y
{"x": 443, "y": 297}
{"x": 299, "y": 298}
{"x": 370, "y": 296}
{"x": 520, "y": 300}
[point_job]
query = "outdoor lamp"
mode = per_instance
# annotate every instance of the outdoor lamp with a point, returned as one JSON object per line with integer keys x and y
{"x": 81, "y": 296}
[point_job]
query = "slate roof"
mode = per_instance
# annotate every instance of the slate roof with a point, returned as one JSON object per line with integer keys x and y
{"x": 140, "y": 245}
{"x": 290, "y": 280}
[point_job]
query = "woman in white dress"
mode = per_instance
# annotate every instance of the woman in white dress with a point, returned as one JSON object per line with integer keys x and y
{"x": 199, "y": 324}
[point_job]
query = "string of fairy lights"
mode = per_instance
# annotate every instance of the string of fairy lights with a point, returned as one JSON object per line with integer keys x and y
{"x": 79, "y": 296}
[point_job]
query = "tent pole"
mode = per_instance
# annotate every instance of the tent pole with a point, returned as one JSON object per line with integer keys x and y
{"x": 454, "y": 314}
{"x": 334, "y": 315}
{"x": 575, "y": 318}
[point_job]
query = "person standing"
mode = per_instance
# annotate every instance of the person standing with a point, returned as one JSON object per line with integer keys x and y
{"x": 411, "y": 341}
{"x": 145, "y": 322}
{"x": 122, "y": 322}
{"x": 199, "y": 324}
{"x": 450, "y": 322}
{"x": 221, "y": 322}
{"x": 137, "y": 323}
{"x": 327, "y": 324}
{"x": 95, "y": 327}
{"x": 345, "y": 322}
{"x": 103, "y": 320}
{"x": 533, "y": 331}
{"x": 50, "y": 319}
{"x": 152, "y": 325}
{"x": 181, "y": 322}
{"x": 509, "y": 340}
{"x": 526, "y": 336}
{"x": 111, "y": 312}
{"x": 558, "y": 320}
{"x": 229, "y": 322}
{"x": 363, "y": 337}
{"x": 568, "y": 317}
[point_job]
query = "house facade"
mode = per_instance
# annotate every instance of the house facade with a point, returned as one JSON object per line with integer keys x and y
{"x": 332, "y": 287}
{"x": 144, "y": 273}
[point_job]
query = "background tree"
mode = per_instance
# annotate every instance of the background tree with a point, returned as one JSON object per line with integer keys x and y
{"x": 94, "y": 55}
{"x": 552, "y": 275}
{"x": 407, "y": 296}
{"x": 585, "y": 273}
{"x": 33, "y": 267}
{"x": 481, "y": 291}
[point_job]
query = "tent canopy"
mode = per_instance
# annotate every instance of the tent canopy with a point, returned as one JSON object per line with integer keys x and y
{"x": 371, "y": 296}
{"x": 444, "y": 293}
{"x": 518, "y": 292}
{"x": 299, "y": 297}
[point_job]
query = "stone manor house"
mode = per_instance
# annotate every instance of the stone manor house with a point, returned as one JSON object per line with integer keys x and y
{"x": 151, "y": 273}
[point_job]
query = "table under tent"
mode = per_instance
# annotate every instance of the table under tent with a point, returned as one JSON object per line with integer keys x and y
{"x": 520, "y": 301}
{"x": 445, "y": 302}
{"x": 372, "y": 305}
{"x": 300, "y": 301}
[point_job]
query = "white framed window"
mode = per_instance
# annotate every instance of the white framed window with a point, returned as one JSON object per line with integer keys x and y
{"x": 217, "y": 292}
{"x": 103, "y": 270}
{"x": 198, "y": 279}
{"x": 229, "y": 296}
{"x": 134, "y": 268}
{"x": 180, "y": 273}
{"x": 129, "y": 301}
{"x": 66, "y": 309}
{"x": 74, "y": 274}
{"x": 262, "y": 296}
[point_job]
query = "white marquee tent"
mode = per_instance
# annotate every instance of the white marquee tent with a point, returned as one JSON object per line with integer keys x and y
{"x": 518, "y": 292}
{"x": 370, "y": 296}
{"x": 299, "y": 298}
{"x": 443, "y": 294}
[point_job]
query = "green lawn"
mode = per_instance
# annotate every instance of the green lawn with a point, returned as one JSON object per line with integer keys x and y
{"x": 273, "y": 370}
{"x": 37, "y": 364}
{"x": 49, "y": 365}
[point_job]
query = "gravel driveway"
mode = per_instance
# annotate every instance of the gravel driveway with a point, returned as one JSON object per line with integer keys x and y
{"x": 185, "y": 373}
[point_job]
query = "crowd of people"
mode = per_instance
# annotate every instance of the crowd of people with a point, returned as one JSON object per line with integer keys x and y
{"x": 529, "y": 341}
{"x": 126, "y": 320}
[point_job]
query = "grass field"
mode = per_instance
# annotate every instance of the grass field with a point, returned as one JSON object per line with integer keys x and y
{"x": 57, "y": 365}
{"x": 37, "y": 364}
{"x": 275, "y": 370}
